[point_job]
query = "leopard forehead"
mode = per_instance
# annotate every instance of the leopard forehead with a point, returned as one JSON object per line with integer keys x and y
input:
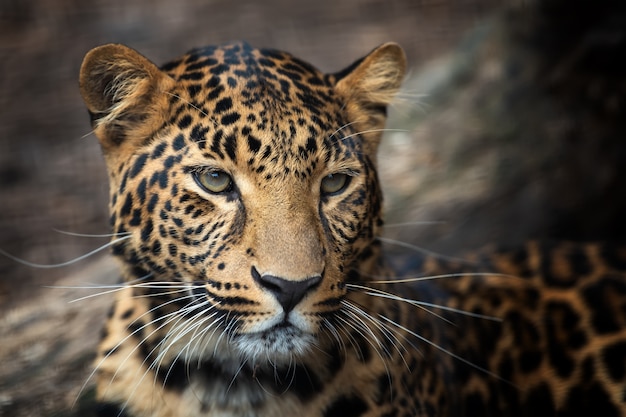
{"x": 263, "y": 109}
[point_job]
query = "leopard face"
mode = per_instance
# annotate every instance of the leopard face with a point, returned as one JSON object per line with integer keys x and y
{"x": 245, "y": 181}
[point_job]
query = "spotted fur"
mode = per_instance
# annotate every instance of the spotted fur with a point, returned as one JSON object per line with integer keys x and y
{"x": 246, "y": 208}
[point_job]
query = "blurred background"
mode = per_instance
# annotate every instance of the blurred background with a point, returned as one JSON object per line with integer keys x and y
{"x": 510, "y": 126}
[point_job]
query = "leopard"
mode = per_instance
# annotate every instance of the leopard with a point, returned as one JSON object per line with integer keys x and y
{"x": 247, "y": 213}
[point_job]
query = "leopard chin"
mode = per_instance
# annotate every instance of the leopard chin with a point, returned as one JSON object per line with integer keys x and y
{"x": 279, "y": 345}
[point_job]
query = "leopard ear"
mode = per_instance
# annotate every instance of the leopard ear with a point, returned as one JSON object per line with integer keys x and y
{"x": 123, "y": 92}
{"x": 369, "y": 85}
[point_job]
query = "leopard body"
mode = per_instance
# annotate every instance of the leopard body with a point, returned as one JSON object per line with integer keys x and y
{"x": 246, "y": 210}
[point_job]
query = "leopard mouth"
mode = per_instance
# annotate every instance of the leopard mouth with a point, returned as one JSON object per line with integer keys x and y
{"x": 279, "y": 340}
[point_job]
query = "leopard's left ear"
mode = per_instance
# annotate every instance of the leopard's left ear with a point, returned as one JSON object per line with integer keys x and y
{"x": 369, "y": 85}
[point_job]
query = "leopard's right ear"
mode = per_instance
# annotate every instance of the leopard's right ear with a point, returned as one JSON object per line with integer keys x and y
{"x": 124, "y": 93}
{"x": 368, "y": 86}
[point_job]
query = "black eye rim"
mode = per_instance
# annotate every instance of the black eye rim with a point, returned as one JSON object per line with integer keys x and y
{"x": 227, "y": 190}
{"x": 347, "y": 179}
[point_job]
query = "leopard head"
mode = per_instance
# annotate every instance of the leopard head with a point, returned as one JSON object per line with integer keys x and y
{"x": 244, "y": 192}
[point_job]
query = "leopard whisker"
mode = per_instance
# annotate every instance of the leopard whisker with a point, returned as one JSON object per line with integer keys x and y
{"x": 201, "y": 339}
{"x": 166, "y": 343}
{"x": 184, "y": 323}
{"x": 62, "y": 264}
{"x": 210, "y": 337}
{"x": 156, "y": 363}
{"x": 385, "y": 331}
{"x": 421, "y": 304}
{"x": 388, "y": 334}
{"x": 446, "y": 351}
{"x": 198, "y": 330}
{"x": 340, "y": 129}
{"x": 188, "y": 327}
{"x": 416, "y": 223}
{"x": 362, "y": 329}
{"x": 383, "y": 294}
{"x": 372, "y": 343}
{"x": 170, "y": 317}
{"x": 121, "y": 342}
{"x": 225, "y": 333}
{"x": 193, "y": 106}
{"x": 361, "y": 132}
{"x": 114, "y": 289}
{"x": 332, "y": 330}
{"x": 237, "y": 372}
{"x": 424, "y": 251}
{"x": 86, "y": 135}
{"x": 434, "y": 277}
{"x": 68, "y": 233}
{"x": 341, "y": 327}
{"x": 292, "y": 369}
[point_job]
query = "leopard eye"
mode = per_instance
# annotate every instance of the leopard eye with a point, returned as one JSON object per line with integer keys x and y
{"x": 215, "y": 182}
{"x": 334, "y": 183}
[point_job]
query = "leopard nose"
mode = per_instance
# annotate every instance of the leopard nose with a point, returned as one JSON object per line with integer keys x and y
{"x": 288, "y": 292}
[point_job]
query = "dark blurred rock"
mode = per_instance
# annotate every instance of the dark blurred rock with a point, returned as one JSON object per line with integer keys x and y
{"x": 526, "y": 135}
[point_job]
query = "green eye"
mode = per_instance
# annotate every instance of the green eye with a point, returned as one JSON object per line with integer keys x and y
{"x": 215, "y": 182}
{"x": 334, "y": 183}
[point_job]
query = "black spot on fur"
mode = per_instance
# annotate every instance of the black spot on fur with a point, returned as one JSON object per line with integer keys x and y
{"x": 152, "y": 203}
{"x": 230, "y": 118}
{"x": 146, "y": 231}
{"x": 184, "y": 122}
{"x": 141, "y": 191}
{"x": 169, "y": 162}
{"x": 136, "y": 330}
{"x": 529, "y": 361}
{"x": 108, "y": 409}
{"x": 540, "y": 401}
{"x": 230, "y": 146}
{"x": 254, "y": 144}
{"x": 198, "y": 134}
{"x": 604, "y": 318}
{"x": 589, "y": 399}
{"x": 347, "y": 406}
{"x": 223, "y": 105}
{"x": 213, "y": 82}
{"x": 179, "y": 141}
{"x": 202, "y": 64}
{"x": 158, "y": 151}
{"x": 138, "y": 165}
{"x": 163, "y": 179}
{"x": 306, "y": 383}
{"x": 215, "y": 93}
{"x": 215, "y": 145}
{"x": 311, "y": 145}
{"x": 614, "y": 358}
{"x": 219, "y": 69}
{"x": 126, "y": 314}
{"x": 127, "y": 207}
{"x": 614, "y": 258}
{"x": 136, "y": 219}
{"x": 173, "y": 376}
{"x": 193, "y": 90}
